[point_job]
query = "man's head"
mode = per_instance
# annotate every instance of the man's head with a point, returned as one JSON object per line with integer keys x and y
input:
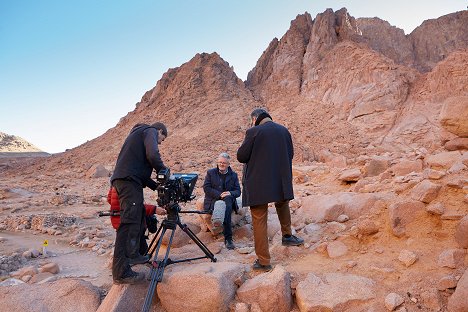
{"x": 257, "y": 115}
{"x": 223, "y": 161}
{"x": 162, "y": 131}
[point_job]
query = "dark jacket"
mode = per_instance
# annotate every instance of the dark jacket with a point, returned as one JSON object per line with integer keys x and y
{"x": 139, "y": 155}
{"x": 213, "y": 187}
{"x": 267, "y": 153}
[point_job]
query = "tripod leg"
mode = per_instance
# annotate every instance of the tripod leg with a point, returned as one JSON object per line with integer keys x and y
{"x": 152, "y": 246}
{"x": 157, "y": 269}
{"x": 197, "y": 241}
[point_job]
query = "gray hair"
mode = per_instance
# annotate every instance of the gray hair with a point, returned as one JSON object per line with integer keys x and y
{"x": 225, "y": 156}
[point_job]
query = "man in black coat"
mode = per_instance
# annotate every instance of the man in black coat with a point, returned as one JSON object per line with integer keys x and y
{"x": 221, "y": 189}
{"x": 267, "y": 152}
{"x": 137, "y": 159}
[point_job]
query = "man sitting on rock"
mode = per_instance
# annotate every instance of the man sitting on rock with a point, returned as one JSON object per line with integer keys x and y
{"x": 221, "y": 189}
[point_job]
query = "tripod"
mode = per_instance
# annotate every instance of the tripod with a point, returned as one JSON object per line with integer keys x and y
{"x": 157, "y": 266}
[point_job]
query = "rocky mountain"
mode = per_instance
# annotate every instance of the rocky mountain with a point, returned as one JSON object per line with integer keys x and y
{"x": 379, "y": 121}
{"x": 15, "y": 144}
{"x": 348, "y": 82}
{"x": 342, "y": 85}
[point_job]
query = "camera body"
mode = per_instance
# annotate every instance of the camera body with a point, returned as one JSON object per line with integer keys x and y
{"x": 174, "y": 188}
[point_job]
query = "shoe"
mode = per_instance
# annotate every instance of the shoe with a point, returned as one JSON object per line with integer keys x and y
{"x": 229, "y": 244}
{"x": 131, "y": 278}
{"x": 292, "y": 241}
{"x": 260, "y": 267}
{"x": 138, "y": 260}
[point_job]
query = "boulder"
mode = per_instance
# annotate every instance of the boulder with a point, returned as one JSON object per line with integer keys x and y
{"x": 67, "y": 295}
{"x": 425, "y": 191}
{"x": 334, "y": 292}
{"x": 454, "y": 115}
{"x": 443, "y": 160}
{"x": 271, "y": 291}
{"x": 200, "y": 287}
{"x": 98, "y": 171}
{"x": 452, "y": 258}
{"x": 403, "y": 213}
{"x": 350, "y": 175}
{"x": 407, "y": 257}
{"x": 320, "y": 208}
{"x": 393, "y": 301}
{"x": 436, "y": 208}
{"x": 375, "y": 167}
{"x": 457, "y": 144}
{"x": 457, "y": 302}
{"x": 336, "y": 249}
{"x": 404, "y": 167}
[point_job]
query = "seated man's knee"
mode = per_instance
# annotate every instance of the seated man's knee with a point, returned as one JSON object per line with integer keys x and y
{"x": 220, "y": 204}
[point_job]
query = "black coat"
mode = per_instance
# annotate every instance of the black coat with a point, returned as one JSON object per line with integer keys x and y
{"x": 267, "y": 153}
{"x": 213, "y": 187}
{"x": 139, "y": 155}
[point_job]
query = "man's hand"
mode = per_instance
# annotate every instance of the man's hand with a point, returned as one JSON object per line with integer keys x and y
{"x": 224, "y": 194}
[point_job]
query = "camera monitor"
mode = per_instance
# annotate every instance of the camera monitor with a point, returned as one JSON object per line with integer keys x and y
{"x": 189, "y": 180}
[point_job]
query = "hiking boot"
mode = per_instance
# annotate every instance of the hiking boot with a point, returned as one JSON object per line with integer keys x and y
{"x": 131, "y": 278}
{"x": 229, "y": 244}
{"x": 292, "y": 241}
{"x": 260, "y": 267}
{"x": 138, "y": 260}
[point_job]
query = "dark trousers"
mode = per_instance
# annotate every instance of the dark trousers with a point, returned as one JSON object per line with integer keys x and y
{"x": 131, "y": 229}
{"x": 227, "y": 224}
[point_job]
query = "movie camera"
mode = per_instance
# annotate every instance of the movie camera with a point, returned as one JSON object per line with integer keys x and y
{"x": 174, "y": 188}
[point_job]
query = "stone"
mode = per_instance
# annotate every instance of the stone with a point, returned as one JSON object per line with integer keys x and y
{"x": 367, "y": 227}
{"x": 336, "y": 249}
{"x": 454, "y": 115}
{"x": 447, "y": 282}
{"x": 375, "y": 167}
{"x": 436, "y": 208}
{"x": 67, "y": 295}
{"x": 443, "y": 160}
{"x": 51, "y": 267}
{"x": 407, "y": 257}
{"x": 404, "y": 167}
{"x": 98, "y": 171}
{"x": 433, "y": 174}
{"x": 457, "y": 301}
{"x": 199, "y": 286}
{"x": 393, "y": 301}
{"x": 350, "y": 175}
{"x": 333, "y": 292}
{"x": 402, "y": 214}
{"x": 342, "y": 218}
{"x": 431, "y": 299}
{"x": 451, "y": 258}
{"x": 271, "y": 291}
{"x": 320, "y": 208}
{"x": 461, "y": 233}
{"x": 425, "y": 191}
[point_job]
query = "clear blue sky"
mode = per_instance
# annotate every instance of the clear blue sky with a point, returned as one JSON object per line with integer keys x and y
{"x": 69, "y": 70}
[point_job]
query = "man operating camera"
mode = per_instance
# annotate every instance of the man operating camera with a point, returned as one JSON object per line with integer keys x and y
{"x": 137, "y": 159}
